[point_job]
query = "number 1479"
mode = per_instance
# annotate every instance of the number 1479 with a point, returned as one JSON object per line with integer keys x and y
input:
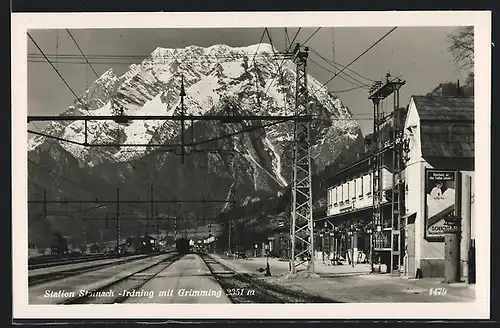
{"x": 438, "y": 291}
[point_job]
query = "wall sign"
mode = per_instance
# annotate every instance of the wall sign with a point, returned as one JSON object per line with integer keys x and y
{"x": 346, "y": 207}
{"x": 441, "y": 199}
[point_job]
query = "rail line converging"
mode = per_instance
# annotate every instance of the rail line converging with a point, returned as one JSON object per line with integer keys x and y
{"x": 243, "y": 288}
{"x": 57, "y": 261}
{"x": 52, "y": 273}
{"x": 133, "y": 281}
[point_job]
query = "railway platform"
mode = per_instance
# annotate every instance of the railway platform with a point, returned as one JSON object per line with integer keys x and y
{"x": 280, "y": 268}
{"x": 347, "y": 284}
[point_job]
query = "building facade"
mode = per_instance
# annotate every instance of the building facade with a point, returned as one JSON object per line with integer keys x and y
{"x": 439, "y": 179}
{"x": 344, "y": 230}
{"x": 438, "y": 182}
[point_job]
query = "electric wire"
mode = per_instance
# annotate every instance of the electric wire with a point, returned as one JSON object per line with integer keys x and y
{"x": 355, "y": 59}
{"x": 356, "y": 83}
{"x": 76, "y": 43}
{"x": 59, "y": 74}
{"x": 310, "y": 37}
{"x": 337, "y": 64}
{"x": 284, "y": 59}
{"x": 291, "y": 43}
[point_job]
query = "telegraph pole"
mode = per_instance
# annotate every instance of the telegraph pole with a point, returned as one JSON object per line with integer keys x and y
{"x": 117, "y": 220}
{"x": 151, "y": 205}
{"x": 84, "y": 229}
{"x": 302, "y": 214}
{"x": 176, "y": 213}
{"x": 182, "y": 94}
{"x": 157, "y": 221}
{"x": 45, "y": 204}
{"x": 229, "y": 232}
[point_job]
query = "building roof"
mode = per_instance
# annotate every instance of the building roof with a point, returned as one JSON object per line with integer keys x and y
{"x": 362, "y": 164}
{"x": 446, "y": 126}
{"x": 440, "y": 108}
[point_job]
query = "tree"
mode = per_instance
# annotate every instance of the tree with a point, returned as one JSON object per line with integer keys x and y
{"x": 462, "y": 46}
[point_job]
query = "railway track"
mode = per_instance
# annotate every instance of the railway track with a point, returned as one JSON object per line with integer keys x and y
{"x": 131, "y": 282}
{"x": 37, "y": 279}
{"x": 242, "y": 288}
{"x": 69, "y": 260}
{"x": 56, "y": 258}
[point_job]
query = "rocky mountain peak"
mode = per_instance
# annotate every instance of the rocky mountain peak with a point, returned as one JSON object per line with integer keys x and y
{"x": 218, "y": 80}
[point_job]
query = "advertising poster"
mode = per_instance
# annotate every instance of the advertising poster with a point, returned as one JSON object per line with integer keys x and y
{"x": 440, "y": 201}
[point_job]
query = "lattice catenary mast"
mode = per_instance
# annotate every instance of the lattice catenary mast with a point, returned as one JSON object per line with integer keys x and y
{"x": 387, "y": 237}
{"x": 301, "y": 228}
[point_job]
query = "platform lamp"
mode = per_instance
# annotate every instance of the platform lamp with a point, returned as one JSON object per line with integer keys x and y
{"x": 331, "y": 237}
{"x": 369, "y": 231}
{"x": 350, "y": 234}
{"x": 321, "y": 241}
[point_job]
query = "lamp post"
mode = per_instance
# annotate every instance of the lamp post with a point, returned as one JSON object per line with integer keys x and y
{"x": 268, "y": 269}
{"x": 351, "y": 246}
{"x": 322, "y": 250}
{"x": 370, "y": 234}
{"x": 332, "y": 247}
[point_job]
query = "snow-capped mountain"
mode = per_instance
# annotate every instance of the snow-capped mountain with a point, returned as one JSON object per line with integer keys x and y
{"x": 218, "y": 79}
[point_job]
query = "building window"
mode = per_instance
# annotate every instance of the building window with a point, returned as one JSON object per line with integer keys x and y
{"x": 335, "y": 203}
{"x": 341, "y": 194}
{"x": 361, "y": 182}
{"x": 347, "y": 192}
{"x": 354, "y": 188}
{"x": 369, "y": 189}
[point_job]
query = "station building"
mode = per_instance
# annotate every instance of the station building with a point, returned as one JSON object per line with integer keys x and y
{"x": 440, "y": 131}
{"x": 440, "y": 135}
{"x": 344, "y": 228}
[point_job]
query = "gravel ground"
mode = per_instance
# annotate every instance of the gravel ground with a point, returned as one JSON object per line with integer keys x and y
{"x": 357, "y": 288}
{"x": 374, "y": 289}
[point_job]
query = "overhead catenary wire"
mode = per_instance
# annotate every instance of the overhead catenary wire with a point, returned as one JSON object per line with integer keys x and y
{"x": 51, "y": 145}
{"x": 59, "y": 74}
{"x": 254, "y": 58}
{"x": 258, "y": 46}
{"x": 310, "y": 37}
{"x": 255, "y": 54}
{"x": 141, "y": 56}
{"x": 355, "y": 59}
{"x": 369, "y": 83}
{"x": 336, "y": 65}
{"x": 356, "y": 82}
{"x": 70, "y": 196}
{"x": 290, "y": 45}
{"x": 284, "y": 59}
{"x": 81, "y": 51}
{"x": 270, "y": 40}
{"x": 61, "y": 176}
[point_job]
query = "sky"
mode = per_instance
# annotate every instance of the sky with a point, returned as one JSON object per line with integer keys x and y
{"x": 418, "y": 55}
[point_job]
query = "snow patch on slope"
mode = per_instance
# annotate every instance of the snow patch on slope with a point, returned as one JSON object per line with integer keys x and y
{"x": 276, "y": 162}
{"x": 203, "y": 92}
{"x": 232, "y": 69}
{"x": 34, "y": 142}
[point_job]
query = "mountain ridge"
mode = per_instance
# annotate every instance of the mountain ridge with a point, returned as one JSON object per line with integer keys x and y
{"x": 218, "y": 79}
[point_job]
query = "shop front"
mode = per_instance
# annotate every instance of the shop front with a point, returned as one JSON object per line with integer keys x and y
{"x": 345, "y": 238}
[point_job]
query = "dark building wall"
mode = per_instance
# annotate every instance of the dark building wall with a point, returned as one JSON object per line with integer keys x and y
{"x": 432, "y": 268}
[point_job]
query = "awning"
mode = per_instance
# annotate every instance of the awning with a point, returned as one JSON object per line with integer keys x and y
{"x": 350, "y": 213}
{"x": 410, "y": 216}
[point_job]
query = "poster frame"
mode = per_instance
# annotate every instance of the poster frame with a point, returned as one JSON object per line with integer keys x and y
{"x": 457, "y": 205}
